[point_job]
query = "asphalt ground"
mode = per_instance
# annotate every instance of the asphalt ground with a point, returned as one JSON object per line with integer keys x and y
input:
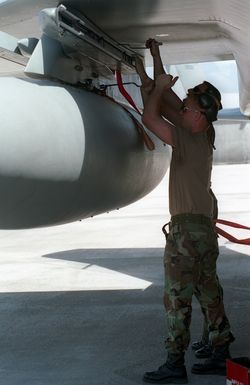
{"x": 81, "y": 304}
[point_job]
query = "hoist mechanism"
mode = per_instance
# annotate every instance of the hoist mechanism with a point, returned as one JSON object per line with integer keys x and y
{"x": 74, "y": 49}
{"x": 94, "y": 41}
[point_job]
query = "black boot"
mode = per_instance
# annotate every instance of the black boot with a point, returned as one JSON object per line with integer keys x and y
{"x": 173, "y": 371}
{"x": 216, "y": 364}
{"x": 202, "y": 348}
{"x": 204, "y": 352}
{"x": 198, "y": 345}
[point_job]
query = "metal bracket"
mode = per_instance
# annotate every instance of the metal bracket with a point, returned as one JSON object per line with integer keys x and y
{"x": 92, "y": 41}
{"x": 87, "y": 32}
{"x": 73, "y": 49}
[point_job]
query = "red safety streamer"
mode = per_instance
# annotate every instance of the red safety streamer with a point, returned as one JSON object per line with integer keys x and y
{"x": 230, "y": 237}
{"x": 146, "y": 138}
{"x": 124, "y": 93}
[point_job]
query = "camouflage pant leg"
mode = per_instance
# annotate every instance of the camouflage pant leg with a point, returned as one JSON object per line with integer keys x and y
{"x": 179, "y": 266}
{"x": 190, "y": 267}
{"x": 205, "y": 326}
{"x": 209, "y": 293}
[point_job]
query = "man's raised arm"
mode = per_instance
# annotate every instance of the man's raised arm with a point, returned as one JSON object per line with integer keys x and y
{"x": 171, "y": 104}
{"x": 152, "y": 116}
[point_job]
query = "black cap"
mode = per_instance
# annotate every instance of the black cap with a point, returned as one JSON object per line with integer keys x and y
{"x": 215, "y": 93}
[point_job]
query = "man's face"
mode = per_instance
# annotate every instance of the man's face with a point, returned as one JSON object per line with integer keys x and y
{"x": 190, "y": 111}
{"x": 190, "y": 104}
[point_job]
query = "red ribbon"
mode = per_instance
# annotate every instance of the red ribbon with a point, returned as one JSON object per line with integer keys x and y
{"x": 230, "y": 237}
{"x": 146, "y": 138}
{"x": 124, "y": 93}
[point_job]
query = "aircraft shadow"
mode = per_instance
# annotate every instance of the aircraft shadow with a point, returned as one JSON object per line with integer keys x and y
{"x": 132, "y": 261}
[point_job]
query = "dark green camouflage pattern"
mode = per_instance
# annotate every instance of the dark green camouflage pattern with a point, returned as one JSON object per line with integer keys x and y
{"x": 190, "y": 268}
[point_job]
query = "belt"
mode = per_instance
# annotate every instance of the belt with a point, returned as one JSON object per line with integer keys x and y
{"x": 191, "y": 218}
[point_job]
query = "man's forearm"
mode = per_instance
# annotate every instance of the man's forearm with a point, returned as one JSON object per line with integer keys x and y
{"x": 153, "y": 103}
{"x": 152, "y": 117}
{"x": 171, "y": 99}
{"x": 158, "y": 66}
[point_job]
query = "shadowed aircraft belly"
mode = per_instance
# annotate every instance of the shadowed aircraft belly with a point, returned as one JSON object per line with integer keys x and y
{"x": 68, "y": 154}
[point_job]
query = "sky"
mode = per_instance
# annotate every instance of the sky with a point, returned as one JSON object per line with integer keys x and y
{"x": 224, "y": 76}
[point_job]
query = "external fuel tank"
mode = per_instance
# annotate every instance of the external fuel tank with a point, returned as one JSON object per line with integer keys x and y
{"x": 68, "y": 154}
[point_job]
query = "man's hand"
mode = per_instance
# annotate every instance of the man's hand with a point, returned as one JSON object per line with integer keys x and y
{"x": 165, "y": 81}
{"x": 153, "y": 45}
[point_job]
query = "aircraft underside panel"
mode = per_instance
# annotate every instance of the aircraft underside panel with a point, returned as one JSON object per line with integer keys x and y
{"x": 67, "y": 154}
{"x": 190, "y": 31}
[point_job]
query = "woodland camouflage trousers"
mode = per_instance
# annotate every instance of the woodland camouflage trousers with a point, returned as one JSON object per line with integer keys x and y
{"x": 190, "y": 268}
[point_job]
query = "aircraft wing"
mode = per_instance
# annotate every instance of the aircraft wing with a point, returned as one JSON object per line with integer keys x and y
{"x": 191, "y": 31}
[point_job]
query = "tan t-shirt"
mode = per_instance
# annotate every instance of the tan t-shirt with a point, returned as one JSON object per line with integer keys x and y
{"x": 190, "y": 174}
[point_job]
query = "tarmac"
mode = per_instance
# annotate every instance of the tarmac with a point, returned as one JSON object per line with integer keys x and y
{"x": 81, "y": 304}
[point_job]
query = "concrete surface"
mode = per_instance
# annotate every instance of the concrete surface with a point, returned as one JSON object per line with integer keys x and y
{"x": 81, "y": 304}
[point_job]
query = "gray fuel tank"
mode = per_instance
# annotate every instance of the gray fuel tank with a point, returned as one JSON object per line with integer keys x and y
{"x": 67, "y": 154}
